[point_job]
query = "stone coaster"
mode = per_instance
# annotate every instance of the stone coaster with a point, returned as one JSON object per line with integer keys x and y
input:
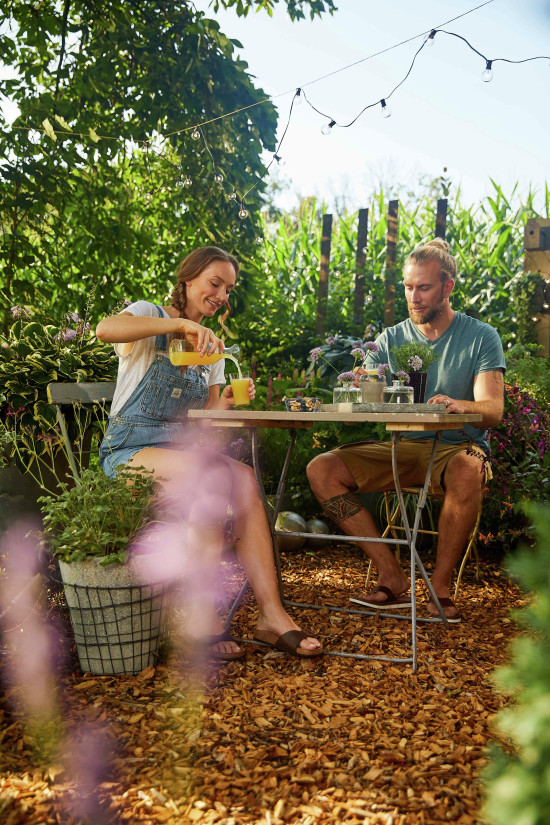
{"x": 381, "y": 407}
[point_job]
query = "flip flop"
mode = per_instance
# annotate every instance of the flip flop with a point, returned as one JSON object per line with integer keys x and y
{"x": 397, "y": 602}
{"x": 445, "y": 602}
{"x": 288, "y": 642}
{"x": 202, "y": 649}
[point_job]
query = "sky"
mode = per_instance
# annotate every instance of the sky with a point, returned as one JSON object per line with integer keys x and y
{"x": 443, "y": 116}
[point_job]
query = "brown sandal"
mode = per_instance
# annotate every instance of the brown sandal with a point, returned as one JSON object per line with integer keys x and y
{"x": 288, "y": 642}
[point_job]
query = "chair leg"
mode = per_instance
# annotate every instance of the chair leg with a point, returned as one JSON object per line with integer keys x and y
{"x": 471, "y": 548}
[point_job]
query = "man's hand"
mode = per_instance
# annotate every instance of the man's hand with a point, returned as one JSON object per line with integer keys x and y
{"x": 488, "y": 399}
{"x": 451, "y": 404}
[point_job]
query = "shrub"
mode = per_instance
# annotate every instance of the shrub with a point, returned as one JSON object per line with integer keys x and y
{"x": 518, "y": 789}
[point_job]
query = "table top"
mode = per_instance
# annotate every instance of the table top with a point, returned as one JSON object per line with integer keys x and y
{"x": 401, "y": 421}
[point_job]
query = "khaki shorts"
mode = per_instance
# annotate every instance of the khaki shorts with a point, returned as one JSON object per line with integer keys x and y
{"x": 369, "y": 462}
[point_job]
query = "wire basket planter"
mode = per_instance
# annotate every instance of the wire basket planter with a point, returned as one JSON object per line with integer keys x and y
{"x": 118, "y": 622}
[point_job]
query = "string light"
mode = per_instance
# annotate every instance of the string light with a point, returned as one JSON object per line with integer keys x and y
{"x": 179, "y": 183}
{"x": 218, "y": 178}
{"x": 233, "y": 196}
{"x": 431, "y": 38}
{"x": 327, "y": 128}
{"x": 260, "y": 239}
{"x": 280, "y": 161}
{"x": 187, "y": 181}
{"x": 243, "y": 213}
{"x": 195, "y": 134}
{"x": 298, "y": 99}
{"x": 487, "y": 73}
{"x": 386, "y": 111}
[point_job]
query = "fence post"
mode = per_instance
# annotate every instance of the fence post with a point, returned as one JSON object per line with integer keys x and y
{"x": 441, "y": 218}
{"x": 537, "y": 259}
{"x": 360, "y": 261}
{"x": 391, "y": 256}
{"x": 322, "y": 294}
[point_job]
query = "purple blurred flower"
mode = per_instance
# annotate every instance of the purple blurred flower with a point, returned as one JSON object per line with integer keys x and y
{"x": 20, "y": 312}
{"x": 330, "y": 340}
{"x": 237, "y": 444}
{"x": 73, "y": 317}
{"x": 371, "y": 347}
{"x": 382, "y": 370}
{"x": 404, "y": 376}
{"x": 357, "y": 352}
{"x": 65, "y": 335}
{"x": 315, "y": 354}
{"x": 415, "y": 362}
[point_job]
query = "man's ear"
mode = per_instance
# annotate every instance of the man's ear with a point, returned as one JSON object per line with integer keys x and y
{"x": 448, "y": 287}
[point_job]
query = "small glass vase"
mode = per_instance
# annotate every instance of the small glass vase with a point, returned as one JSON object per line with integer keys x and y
{"x": 398, "y": 393}
{"x": 372, "y": 389}
{"x": 346, "y": 393}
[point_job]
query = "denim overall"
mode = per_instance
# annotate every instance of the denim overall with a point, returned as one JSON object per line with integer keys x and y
{"x": 154, "y": 414}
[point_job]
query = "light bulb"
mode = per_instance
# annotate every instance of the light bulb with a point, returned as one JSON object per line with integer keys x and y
{"x": 298, "y": 97}
{"x": 364, "y": 250}
{"x": 179, "y": 183}
{"x": 260, "y": 239}
{"x": 187, "y": 181}
{"x": 487, "y": 73}
{"x": 280, "y": 161}
{"x": 327, "y": 128}
{"x": 545, "y": 306}
{"x": 195, "y": 134}
{"x": 218, "y": 178}
{"x": 534, "y": 319}
{"x": 368, "y": 299}
{"x": 386, "y": 111}
{"x": 233, "y": 196}
{"x": 243, "y": 213}
{"x": 431, "y": 38}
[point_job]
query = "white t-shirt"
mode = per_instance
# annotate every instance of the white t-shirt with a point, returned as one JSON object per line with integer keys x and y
{"x": 133, "y": 366}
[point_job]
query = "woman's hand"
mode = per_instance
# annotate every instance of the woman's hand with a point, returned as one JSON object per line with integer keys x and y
{"x": 227, "y": 401}
{"x": 203, "y": 339}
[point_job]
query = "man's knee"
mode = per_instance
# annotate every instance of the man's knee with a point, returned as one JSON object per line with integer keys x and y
{"x": 328, "y": 467}
{"x": 464, "y": 475}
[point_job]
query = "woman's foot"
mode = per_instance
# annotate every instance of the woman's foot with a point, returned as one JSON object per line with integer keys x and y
{"x": 279, "y": 623}
{"x": 218, "y": 645}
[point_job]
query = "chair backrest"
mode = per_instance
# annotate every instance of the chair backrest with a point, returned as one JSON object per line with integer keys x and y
{"x": 63, "y": 394}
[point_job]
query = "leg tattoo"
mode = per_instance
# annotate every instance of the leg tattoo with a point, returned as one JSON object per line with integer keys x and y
{"x": 341, "y": 507}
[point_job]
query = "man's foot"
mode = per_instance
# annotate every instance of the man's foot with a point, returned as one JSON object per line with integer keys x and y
{"x": 449, "y": 609}
{"x": 282, "y": 623}
{"x": 381, "y": 598}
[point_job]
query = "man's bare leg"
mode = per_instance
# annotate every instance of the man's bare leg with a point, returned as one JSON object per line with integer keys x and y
{"x": 332, "y": 484}
{"x": 463, "y": 490}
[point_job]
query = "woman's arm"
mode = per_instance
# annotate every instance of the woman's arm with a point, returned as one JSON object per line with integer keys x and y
{"x": 126, "y": 328}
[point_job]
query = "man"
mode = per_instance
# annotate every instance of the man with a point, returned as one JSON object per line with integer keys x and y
{"x": 468, "y": 378}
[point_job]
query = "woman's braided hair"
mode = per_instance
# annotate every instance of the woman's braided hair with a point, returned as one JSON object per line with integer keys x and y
{"x": 192, "y": 266}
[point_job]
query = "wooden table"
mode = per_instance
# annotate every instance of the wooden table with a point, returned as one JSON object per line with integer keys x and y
{"x": 396, "y": 424}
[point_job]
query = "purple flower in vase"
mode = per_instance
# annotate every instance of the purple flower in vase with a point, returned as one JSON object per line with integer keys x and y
{"x": 357, "y": 352}
{"x": 403, "y": 376}
{"x": 382, "y": 370}
{"x": 346, "y": 376}
{"x": 415, "y": 362}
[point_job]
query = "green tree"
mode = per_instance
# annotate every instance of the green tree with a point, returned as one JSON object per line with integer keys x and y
{"x": 108, "y": 94}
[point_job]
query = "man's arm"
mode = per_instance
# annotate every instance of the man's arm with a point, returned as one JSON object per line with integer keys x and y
{"x": 488, "y": 399}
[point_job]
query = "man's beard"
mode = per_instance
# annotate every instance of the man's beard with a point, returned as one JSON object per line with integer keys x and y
{"x": 426, "y": 316}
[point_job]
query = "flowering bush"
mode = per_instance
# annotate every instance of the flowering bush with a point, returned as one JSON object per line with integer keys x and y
{"x": 413, "y": 357}
{"x": 520, "y": 461}
{"x": 36, "y": 351}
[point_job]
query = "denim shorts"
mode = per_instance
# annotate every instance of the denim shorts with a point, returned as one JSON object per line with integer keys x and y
{"x": 123, "y": 439}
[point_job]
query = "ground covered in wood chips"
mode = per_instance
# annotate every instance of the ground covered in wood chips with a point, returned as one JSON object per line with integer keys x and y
{"x": 271, "y": 738}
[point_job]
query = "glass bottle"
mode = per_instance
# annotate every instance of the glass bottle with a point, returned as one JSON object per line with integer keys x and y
{"x": 346, "y": 393}
{"x": 398, "y": 393}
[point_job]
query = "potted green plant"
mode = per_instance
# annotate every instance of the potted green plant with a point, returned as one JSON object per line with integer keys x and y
{"x": 35, "y": 351}
{"x": 118, "y": 608}
{"x": 414, "y": 359}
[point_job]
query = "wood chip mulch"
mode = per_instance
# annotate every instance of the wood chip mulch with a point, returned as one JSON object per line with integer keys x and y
{"x": 274, "y": 739}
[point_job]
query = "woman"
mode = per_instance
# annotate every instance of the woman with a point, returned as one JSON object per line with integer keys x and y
{"x": 147, "y": 428}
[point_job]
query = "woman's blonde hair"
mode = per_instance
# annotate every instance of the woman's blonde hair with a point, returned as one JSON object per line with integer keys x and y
{"x": 192, "y": 266}
{"x": 436, "y": 250}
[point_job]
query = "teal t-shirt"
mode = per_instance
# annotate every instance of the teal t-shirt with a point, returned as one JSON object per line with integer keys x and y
{"x": 465, "y": 349}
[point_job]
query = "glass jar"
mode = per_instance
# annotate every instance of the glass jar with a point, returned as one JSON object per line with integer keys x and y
{"x": 346, "y": 393}
{"x": 372, "y": 389}
{"x": 398, "y": 393}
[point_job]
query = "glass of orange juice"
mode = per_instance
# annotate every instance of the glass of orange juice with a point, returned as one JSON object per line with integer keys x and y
{"x": 239, "y": 385}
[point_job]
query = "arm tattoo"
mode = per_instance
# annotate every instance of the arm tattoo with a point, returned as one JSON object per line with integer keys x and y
{"x": 341, "y": 507}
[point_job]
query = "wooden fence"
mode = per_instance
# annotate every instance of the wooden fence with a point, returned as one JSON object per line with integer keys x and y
{"x": 360, "y": 262}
